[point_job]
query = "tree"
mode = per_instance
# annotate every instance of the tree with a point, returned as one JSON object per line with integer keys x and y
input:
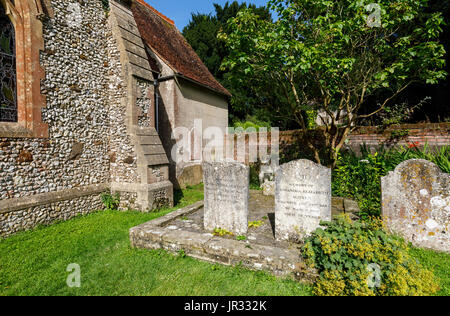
{"x": 424, "y": 102}
{"x": 331, "y": 55}
{"x": 201, "y": 33}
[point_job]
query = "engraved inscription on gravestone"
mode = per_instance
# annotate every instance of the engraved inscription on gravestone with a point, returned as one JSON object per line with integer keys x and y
{"x": 302, "y": 199}
{"x": 226, "y": 196}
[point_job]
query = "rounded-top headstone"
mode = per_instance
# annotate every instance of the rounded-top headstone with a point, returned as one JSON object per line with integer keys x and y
{"x": 416, "y": 204}
{"x": 302, "y": 199}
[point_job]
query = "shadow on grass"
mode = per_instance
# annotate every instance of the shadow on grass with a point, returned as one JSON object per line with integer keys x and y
{"x": 178, "y": 195}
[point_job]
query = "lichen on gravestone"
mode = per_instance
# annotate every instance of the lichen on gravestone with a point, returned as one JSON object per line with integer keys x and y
{"x": 226, "y": 196}
{"x": 416, "y": 204}
{"x": 302, "y": 199}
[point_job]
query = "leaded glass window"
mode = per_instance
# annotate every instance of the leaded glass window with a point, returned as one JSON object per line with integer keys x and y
{"x": 8, "y": 96}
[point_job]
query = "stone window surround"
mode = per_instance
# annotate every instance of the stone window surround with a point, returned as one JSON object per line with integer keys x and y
{"x": 25, "y": 16}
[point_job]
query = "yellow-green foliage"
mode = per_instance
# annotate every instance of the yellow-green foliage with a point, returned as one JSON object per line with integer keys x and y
{"x": 222, "y": 232}
{"x": 255, "y": 224}
{"x": 345, "y": 253}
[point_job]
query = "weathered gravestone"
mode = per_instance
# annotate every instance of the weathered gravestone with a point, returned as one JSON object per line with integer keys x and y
{"x": 416, "y": 204}
{"x": 268, "y": 188}
{"x": 226, "y": 196}
{"x": 267, "y": 180}
{"x": 302, "y": 199}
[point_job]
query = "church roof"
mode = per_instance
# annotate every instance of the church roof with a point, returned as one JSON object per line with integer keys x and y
{"x": 160, "y": 34}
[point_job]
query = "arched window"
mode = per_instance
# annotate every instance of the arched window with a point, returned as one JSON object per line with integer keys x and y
{"x": 8, "y": 81}
{"x": 21, "y": 41}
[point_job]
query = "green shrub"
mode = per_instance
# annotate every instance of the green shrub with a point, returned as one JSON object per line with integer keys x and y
{"x": 359, "y": 176}
{"x": 311, "y": 118}
{"x": 439, "y": 157}
{"x": 252, "y": 122}
{"x": 111, "y": 202}
{"x": 254, "y": 176}
{"x": 361, "y": 259}
{"x": 360, "y": 179}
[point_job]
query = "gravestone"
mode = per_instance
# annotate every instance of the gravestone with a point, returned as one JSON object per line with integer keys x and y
{"x": 302, "y": 199}
{"x": 226, "y": 196}
{"x": 267, "y": 180}
{"x": 416, "y": 204}
{"x": 268, "y": 187}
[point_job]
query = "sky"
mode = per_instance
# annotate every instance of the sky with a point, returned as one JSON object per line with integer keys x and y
{"x": 180, "y": 10}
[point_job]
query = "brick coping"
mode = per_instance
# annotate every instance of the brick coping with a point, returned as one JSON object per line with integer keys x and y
{"x": 156, "y": 234}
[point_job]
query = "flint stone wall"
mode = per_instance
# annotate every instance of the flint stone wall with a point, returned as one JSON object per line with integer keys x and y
{"x": 76, "y": 111}
{"x": 416, "y": 204}
{"x": 87, "y": 143}
{"x": 45, "y": 209}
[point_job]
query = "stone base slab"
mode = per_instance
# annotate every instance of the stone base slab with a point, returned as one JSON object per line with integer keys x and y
{"x": 158, "y": 234}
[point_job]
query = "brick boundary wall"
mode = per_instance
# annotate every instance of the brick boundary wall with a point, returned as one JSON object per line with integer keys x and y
{"x": 434, "y": 135}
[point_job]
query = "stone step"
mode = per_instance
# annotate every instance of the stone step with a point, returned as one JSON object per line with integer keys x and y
{"x": 149, "y": 140}
{"x": 152, "y": 149}
{"x": 158, "y": 159}
{"x": 150, "y": 131}
{"x": 151, "y": 146}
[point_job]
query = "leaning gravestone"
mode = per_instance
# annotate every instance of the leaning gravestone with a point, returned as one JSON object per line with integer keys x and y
{"x": 302, "y": 199}
{"x": 416, "y": 204}
{"x": 226, "y": 196}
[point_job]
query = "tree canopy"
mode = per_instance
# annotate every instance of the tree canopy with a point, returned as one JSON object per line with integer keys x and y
{"x": 330, "y": 55}
{"x": 201, "y": 33}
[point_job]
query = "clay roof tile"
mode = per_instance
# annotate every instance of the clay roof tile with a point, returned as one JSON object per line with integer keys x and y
{"x": 160, "y": 34}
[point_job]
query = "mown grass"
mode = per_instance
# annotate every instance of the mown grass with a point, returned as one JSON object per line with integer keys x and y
{"x": 439, "y": 263}
{"x": 35, "y": 262}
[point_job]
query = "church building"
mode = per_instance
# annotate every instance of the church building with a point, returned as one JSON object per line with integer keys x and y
{"x": 91, "y": 93}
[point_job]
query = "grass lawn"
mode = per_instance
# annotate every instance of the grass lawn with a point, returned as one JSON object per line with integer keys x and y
{"x": 439, "y": 263}
{"x": 35, "y": 262}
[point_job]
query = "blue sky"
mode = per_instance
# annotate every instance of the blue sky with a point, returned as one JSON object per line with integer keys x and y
{"x": 180, "y": 10}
